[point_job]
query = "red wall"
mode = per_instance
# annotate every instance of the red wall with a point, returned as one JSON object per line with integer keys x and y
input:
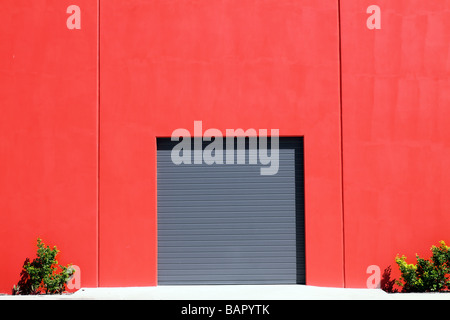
{"x": 48, "y": 136}
{"x": 231, "y": 64}
{"x": 80, "y": 115}
{"x": 396, "y": 130}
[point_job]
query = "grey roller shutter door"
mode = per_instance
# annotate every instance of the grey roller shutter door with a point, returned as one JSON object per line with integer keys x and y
{"x": 227, "y": 224}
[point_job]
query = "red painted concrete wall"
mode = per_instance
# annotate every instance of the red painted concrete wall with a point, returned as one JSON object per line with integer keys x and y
{"x": 396, "y": 130}
{"x": 231, "y": 64}
{"x": 80, "y": 115}
{"x": 48, "y": 136}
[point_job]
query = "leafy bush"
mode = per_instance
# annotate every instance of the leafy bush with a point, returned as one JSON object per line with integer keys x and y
{"x": 430, "y": 275}
{"x": 43, "y": 275}
{"x": 387, "y": 284}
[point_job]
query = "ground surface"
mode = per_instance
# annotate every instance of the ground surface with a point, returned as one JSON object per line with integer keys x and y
{"x": 235, "y": 292}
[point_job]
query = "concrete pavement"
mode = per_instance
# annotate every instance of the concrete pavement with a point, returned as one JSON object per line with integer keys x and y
{"x": 233, "y": 292}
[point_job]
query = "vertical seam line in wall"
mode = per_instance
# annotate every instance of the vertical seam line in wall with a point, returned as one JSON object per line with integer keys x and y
{"x": 98, "y": 143}
{"x": 341, "y": 139}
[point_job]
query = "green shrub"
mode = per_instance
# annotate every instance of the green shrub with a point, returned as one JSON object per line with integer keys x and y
{"x": 43, "y": 275}
{"x": 430, "y": 275}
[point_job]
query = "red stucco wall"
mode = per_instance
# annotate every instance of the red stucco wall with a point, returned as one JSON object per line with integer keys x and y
{"x": 396, "y": 130}
{"x": 81, "y": 110}
{"x": 48, "y": 136}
